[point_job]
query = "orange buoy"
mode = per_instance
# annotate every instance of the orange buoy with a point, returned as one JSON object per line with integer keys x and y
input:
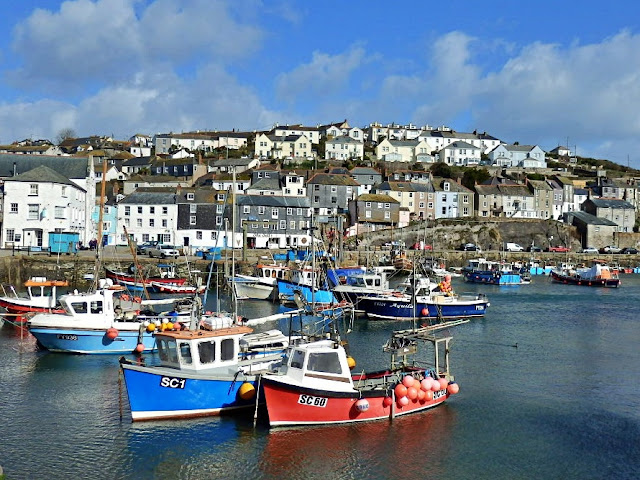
{"x": 386, "y": 402}
{"x": 400, "y": 391}
{"x": 426, "y": 384}
{"x": 139, "y": 348}
{"x": 403, "y": 402}
{"x": 362, "y": 405}
{"x": 453, "y": 388}
{"x": 351, "y": 362}
{"x": 247, "y": 391}
{"x": 112, "y": 333}
{"x": 408, "y": 381}
{"x": 424, "y": 312}
{"x": 443, "y": 383}
{"x": 428, "y": 395}
{"x": 412, "y": 393}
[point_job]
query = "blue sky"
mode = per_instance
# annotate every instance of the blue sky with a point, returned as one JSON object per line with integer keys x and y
{"x": 543, "y": 72}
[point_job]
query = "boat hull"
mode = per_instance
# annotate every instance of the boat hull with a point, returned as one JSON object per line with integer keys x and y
{"x": 585, "y": 282}
{"x": 167, "y": 393}
{"x": 254, "y": 290}
{"x": 286, "y": 291}
{"x": 400, "y": 309}
{"x": 494, "y": 278}
{"x": 294, "y": 405}
{"x": 91, "y": 341}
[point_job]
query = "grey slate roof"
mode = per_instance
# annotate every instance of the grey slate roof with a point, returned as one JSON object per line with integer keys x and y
{"x": 610, "y": 203}
{"x": 270, "y": 183}
{"x": 329, "y": 179}
{"x": 151, "y": 196}
{"x": 592, "y": 219}
{"x": 70, "y": 167}
{"x": 42, "y": 174}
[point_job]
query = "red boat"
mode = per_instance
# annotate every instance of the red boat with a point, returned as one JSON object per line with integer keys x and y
{"x": 132, "y": 281}
{"x": 41, "y": 297}
{"x": 178, "y": 289}
{"x": 315, "y": 385}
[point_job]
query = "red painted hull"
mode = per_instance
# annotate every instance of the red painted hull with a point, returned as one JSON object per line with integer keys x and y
{"x": 17, "y": 309}
{"x": 292, "y": 405}
{"x": 148, "y": 281}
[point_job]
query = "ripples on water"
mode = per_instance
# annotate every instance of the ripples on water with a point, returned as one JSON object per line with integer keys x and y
{"x": 563, "y": 404}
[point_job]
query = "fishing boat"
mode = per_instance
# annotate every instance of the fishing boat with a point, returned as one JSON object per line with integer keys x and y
{"x": 401, "y": 262}
{"x": 424, "y": 299}
{"x": 201, "y": 373}
{"x": 311, "y": 282}
{"x": 137, "y": 282}
{"x": 41, "y": 296}
{"x": 314, "y": 385}
{"x": 480, "y": 270}
{"x": 363, "y": 284}
{"x": 91, "y": 323}
{"x": 263, "y": 284}
{"x": 598, "y": 275}
{"x": 174, "y": 289}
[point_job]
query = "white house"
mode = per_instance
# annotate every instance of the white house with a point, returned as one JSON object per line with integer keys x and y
{"x": 526, "y": 156}
{"x": 149, "y": 214}
{"x": 39, "y": 202}
{"x": 344, "y": 148}
{"x": 401, "y": 150}
{"x": 281, "y": 147}
{"x": 460, "y": 154}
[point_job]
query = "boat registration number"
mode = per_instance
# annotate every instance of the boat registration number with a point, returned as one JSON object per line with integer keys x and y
{"x": 312, "y": 401}
{"x": 65, "y": 336}
{"x": 173, "y": 382}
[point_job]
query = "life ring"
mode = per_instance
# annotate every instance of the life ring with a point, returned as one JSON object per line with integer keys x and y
{"x": 304, "y": 240}
{"x": 124, "y": 297}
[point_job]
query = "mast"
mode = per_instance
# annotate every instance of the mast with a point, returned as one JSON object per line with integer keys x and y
{"x": 97, "y": 267}
{"x": 234, "y": 298}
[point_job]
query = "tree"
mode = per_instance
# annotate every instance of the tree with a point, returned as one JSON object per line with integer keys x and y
{"x": 441, "y": 169}
{"x": 474, "y": 176}
{"x": 64, "y": 134}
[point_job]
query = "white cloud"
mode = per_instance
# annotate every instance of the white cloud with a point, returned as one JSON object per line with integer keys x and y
{"x": 324, "y": 75}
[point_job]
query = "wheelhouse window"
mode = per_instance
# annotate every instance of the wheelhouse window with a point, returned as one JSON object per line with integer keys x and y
{"x": 207, "y": 352}
{"x": 328, "y": 362}
{"x": 79, "y": 307}
{"x": 227, "y": 350}
{"x": 297, "y": 359}
{"x": 185, "y": 353}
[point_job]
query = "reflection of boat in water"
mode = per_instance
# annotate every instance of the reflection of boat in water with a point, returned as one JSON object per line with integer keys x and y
{"x": 314, "y": 385}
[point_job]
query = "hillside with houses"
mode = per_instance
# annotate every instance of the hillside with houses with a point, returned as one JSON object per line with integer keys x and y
{"x": 194, "y": 188}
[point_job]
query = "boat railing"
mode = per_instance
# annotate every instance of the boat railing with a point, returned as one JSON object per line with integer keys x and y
{"x": 11, "y": 291}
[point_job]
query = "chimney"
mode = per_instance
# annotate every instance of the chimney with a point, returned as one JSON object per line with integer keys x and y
{"x": 179, "y": 190}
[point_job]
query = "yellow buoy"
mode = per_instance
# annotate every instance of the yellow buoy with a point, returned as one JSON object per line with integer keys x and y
{"x": 246, "y": 391}
{"x": 151, "y": 327}
{"x": 169, "y": 326}
{"x": 351, "y": 362}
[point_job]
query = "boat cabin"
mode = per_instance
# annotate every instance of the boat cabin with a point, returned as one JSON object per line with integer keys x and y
{"x": 322, "y": 364}
{"x": 373, "y": 280}
{"x": 271, "y": 272}
{"x": 197, "y": 350}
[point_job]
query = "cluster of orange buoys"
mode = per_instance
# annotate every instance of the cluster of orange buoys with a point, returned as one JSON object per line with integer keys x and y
{"x": 414, "y": 390}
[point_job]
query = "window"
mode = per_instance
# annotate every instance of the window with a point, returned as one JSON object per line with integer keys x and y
{"x": 198, "y": 235}
{"x": 292, "y": 224}
{"x": 185, "y": 352}
{"x": 152, "y": 222}
{"x": 297, "y": 359}
{"x": 289, "y": 211}
{"x": 190, "y": 196}
{"x": 145, "y": 237}
{"x": 34, "y": 210}
{"x": 324, "y": 362}
{"x": 274, "y": 213}
{"x": 214, "y": 235}
{"x": 10, "y": 235}
{"x": 152, "y": 210}
{"x": 33, "y": 189}
{"x": 227, "y": 352}
{"x": 59, "y": 212}
{"x": 14, "y": 208}
{"x": 164, "y": 224}
{"x": 246, "y": 209}
{"x": 139, "y": 222}
{"x": 367, "y": 214}
{"x": 165, "y": 210}
{"x": 127, "y": 210}
{"x": 387, "y": 215}
{"x": 260, "y": 210}
{"x": 192, "y": 220}
{"x": 206, "y": 352}
{"x": 299, "y": 211}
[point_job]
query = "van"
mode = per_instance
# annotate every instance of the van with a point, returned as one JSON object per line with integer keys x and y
{"x": 513, "y": 247}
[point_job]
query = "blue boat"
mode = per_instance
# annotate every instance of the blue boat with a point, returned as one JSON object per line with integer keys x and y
{"x": 201, "y": 373}
{"x": 92, "y": 323}
{"x": 423, "y": 300}
{"x": 312, "y": 285}
{"x": 484, "y": 271}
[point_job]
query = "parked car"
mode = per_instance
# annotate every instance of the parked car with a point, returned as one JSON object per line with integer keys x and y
{"x": 629, "y": 251}
{"x": 589, "y": 250}
{"x": 141, "y": 249}
{"x": 610, "y": 249}
{"x": 534, "y": 248}
{"x": 163, "y": 251}
{"x": 559, "y": 249}
{"x": 420, "y": 246}
{"x": 513, "y": 247}
{"x": 470, "y": 247}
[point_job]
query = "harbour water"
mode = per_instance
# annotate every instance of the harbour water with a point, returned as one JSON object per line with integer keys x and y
{"x": 549, "y": 388}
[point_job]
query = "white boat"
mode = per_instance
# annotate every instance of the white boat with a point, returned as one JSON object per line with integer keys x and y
{"x": 263, "y": 285}
{"x": 362, "y": 285}
{"x": 41, "y": 296}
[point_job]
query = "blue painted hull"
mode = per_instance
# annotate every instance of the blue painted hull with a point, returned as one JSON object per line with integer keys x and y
{"x": 337, "y": 275}
{"x": 387, "y": 309}
{"x": 493, "y": 278}
{"x": 76, "y": 340}
{"x": 286, "y": 293}
{"x": 167, "y": 393}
